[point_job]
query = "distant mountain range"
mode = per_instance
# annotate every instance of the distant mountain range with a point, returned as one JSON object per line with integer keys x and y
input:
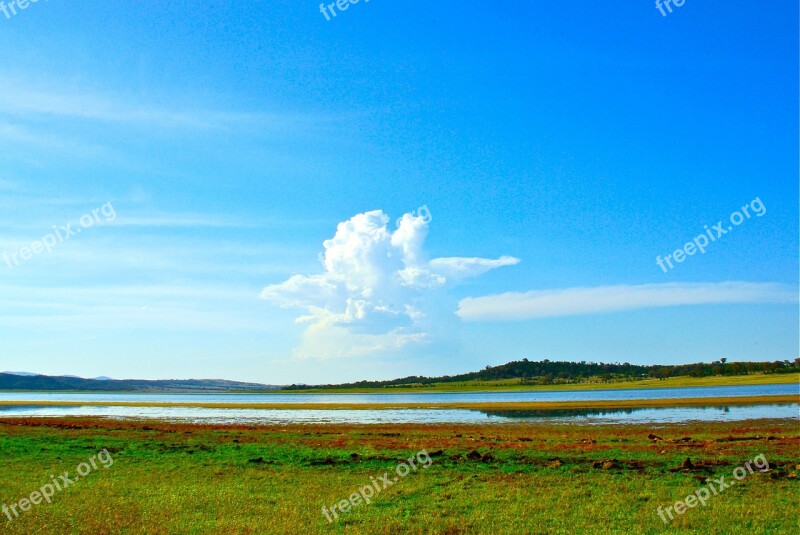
{"x": 32, "y": 381}
{"x": 28, "y": 374}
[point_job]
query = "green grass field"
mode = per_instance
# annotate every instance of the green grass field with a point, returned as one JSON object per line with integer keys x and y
{"x": 512, "y": 478}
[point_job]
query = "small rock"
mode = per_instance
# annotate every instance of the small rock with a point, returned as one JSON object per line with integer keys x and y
{"x": 474, "y": 456}
{"x": 326, "y": 461}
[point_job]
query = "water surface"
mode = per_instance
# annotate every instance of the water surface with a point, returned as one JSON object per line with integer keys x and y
{"x": 429, "y": 397}
{"x": 429, "y": 416}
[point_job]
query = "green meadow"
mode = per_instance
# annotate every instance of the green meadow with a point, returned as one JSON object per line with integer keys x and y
{"x": 509, "y": 478}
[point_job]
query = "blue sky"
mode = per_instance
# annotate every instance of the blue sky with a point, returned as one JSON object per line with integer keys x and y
{"x": 248, "y": 163}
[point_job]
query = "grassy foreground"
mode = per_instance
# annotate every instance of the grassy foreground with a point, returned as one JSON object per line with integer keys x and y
{"x": 512, "y": 478}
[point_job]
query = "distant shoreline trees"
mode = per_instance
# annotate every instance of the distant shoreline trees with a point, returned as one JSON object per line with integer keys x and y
{"x": 561, "y": 372}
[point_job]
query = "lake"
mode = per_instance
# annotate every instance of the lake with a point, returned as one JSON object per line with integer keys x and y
{"x": 279, "y": 416}
{"x": 430, "y": 397}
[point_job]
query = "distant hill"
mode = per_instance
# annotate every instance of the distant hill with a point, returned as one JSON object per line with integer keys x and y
{"x": 26, "y": 381}
{"x": 556, "y": 372}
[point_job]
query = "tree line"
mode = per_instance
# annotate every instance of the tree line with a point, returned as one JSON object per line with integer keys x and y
{"x": 562, "y": 372}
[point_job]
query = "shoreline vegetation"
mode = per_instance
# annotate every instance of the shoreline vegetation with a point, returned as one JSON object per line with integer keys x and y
{"x": 171, "y": 477}
{"x": 518, "y": 385}
{"x": 516, "y": 375}
{"x": 504, "y": 385}
{"x": 491, "y": 405}
{"x": 526, "y": 373}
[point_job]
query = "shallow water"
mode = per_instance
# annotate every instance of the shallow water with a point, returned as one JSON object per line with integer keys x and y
{"x": 438, "y": 397}
{"x": 388, "y": 416}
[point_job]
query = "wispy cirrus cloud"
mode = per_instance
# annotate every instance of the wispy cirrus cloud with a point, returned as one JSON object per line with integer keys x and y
{"x": 158, "y": 307}
{"x": 8, "y": 185}
{"x": 184, "y": 220}
{"x": 132, "y": 218}
{"x": 86, "y": 105}
{"x": 602, "y": 299}
{"x": 44, "y": 140}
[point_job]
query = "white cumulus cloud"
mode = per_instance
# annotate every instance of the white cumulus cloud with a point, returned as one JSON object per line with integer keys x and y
{"x": 371, "y": 294}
